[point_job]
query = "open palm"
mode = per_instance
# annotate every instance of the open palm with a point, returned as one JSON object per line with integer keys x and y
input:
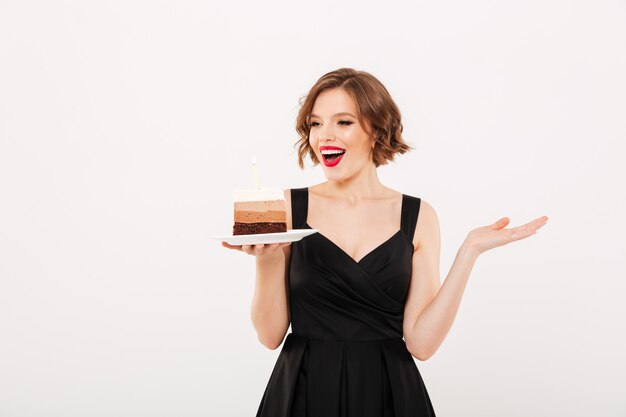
{"x": 488, "y": 237}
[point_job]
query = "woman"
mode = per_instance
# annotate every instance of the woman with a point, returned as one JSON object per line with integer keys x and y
{"x": 363, "y": 295}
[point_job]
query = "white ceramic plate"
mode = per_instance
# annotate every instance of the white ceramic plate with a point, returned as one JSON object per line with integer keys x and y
{"x": 288, "y": 236}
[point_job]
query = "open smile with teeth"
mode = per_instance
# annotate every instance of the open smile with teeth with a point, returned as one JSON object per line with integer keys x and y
{"x": 331, "y": 155}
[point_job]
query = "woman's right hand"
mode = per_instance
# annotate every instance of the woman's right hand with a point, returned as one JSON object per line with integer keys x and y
{"x": 260, "y": 251}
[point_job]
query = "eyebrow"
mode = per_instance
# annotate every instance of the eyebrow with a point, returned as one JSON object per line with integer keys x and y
{"x": 337, "y": 114}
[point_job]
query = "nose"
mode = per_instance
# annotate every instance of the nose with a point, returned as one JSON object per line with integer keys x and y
{"x": 326, "y": 135}
{"x": 326, "y": 132}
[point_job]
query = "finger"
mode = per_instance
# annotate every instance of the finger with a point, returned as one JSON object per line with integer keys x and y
{"x": 534, "y": 225}
{"x": 540, "y": 220}
{"x": 247, "y": 249}
{"x": 522, "y": 232}
{"x": 229, "y": 246}
{"x": 258, "y": 249}
{"x": 538, "y": 223}
{"x": 500, "y": 223}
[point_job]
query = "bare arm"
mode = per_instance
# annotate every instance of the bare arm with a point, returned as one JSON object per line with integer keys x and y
{"x": 270, "y": 306}
{"x": 270, "y": 303}
{"x": 425, "y": 334}
{"x": 430, "y": 310}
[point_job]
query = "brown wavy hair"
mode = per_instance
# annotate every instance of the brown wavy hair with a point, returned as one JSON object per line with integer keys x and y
{"x": 374, "y": 105}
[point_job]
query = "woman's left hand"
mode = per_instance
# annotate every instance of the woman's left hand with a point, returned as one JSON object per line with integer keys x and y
{"x": 488, "y": 237}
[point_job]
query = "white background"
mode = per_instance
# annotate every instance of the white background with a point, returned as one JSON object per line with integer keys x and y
{"x": 125, "y": 126}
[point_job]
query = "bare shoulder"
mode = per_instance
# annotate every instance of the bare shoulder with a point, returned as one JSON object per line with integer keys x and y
{"x": 427, "y": 229}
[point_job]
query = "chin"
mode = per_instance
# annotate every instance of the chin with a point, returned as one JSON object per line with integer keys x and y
{"x": 333, "y": 175}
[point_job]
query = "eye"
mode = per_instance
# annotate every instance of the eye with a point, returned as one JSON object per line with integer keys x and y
{"x": 345, "y": 122}
{"x": 314, "y": 124}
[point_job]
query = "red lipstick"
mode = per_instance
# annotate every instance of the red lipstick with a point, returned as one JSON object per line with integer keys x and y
{"x": 331, "y": 155}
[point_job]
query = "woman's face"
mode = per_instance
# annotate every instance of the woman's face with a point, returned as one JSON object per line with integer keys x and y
{"x": 339, "y": 141}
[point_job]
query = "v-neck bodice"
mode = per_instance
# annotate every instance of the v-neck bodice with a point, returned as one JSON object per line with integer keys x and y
{"x": 335, "y": 297}
{"x": 380, "y": 246}
{"x": 399, "y": 232}
{"x": 345, "y": 356}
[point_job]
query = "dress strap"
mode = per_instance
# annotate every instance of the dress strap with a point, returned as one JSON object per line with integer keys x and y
{"x": 410, "y": 212}
{"x": 299, "y": 207}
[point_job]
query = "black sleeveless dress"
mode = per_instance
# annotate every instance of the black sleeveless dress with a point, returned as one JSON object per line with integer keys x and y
{"x": 345, "y": 356}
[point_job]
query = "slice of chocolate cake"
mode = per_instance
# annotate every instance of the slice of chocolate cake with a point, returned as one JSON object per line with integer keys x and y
{"x": 259, "y": 211}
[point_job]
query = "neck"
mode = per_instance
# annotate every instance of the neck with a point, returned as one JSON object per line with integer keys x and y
{"x": 364, "y": 184}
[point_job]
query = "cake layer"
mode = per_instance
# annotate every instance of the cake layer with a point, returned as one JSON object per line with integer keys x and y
{"x": 259, "y": 211}
{"x": 268, "y": 205}
{"x": 242, "y": 216}
{"x": 264, "y": 193}
{"x": 257, "y": 228}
